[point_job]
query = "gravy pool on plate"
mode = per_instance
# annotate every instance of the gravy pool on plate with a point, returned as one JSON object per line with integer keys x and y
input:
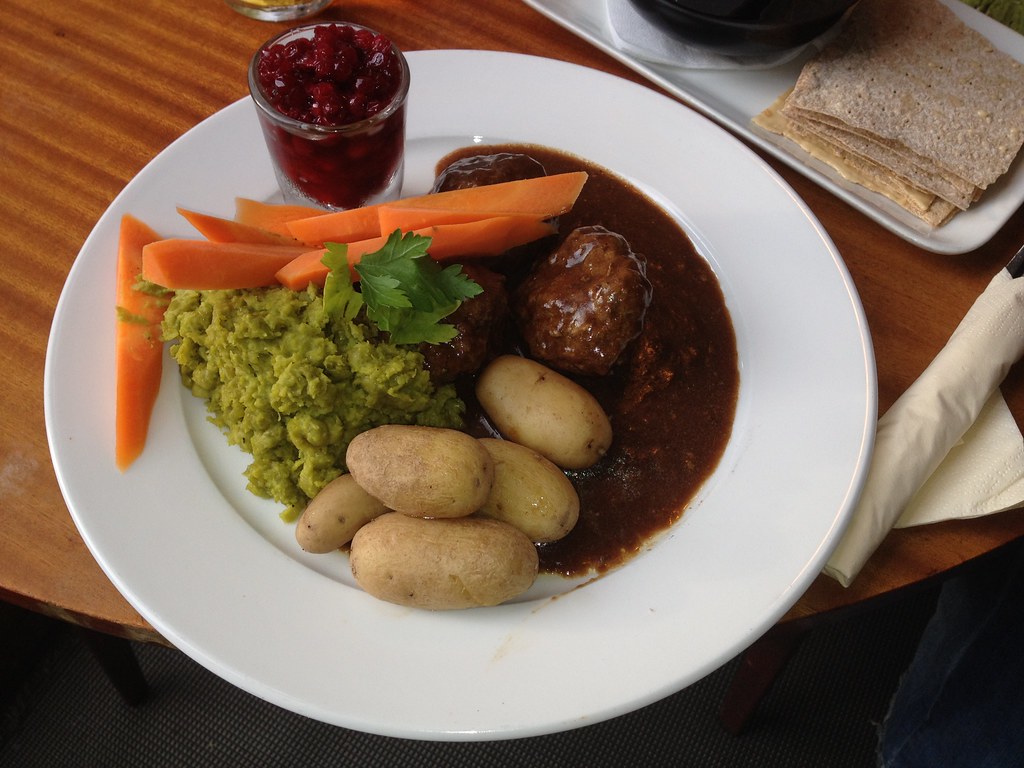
{"x": 672, "y": 399}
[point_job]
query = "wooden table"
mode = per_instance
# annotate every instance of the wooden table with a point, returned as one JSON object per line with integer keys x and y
{"x": 91, "y": 91}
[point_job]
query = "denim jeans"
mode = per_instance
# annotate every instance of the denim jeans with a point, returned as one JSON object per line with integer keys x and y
{"x": 961, "y": 701}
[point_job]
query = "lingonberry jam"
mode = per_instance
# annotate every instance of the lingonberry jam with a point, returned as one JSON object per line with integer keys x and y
{"x": 331, "y": 101}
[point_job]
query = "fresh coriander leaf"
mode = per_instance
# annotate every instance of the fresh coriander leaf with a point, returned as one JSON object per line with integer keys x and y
{"x": 381, "y": 289}
{"x": 417, "y": 327}
{"x": 406, "y": 293}
{"x": 457, "y": 284}
{"x": 427, "y": 285}
{"x": 386, "y": 318}
{"x": 400, "y": 247}
{"x": 341, "y": 299}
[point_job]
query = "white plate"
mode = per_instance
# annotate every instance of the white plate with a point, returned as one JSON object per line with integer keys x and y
{"x": 732, "y": 97}
{"x": 216, "y": 572}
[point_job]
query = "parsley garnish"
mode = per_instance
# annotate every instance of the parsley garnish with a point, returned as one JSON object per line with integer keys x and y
{"x": 406, "y": 293}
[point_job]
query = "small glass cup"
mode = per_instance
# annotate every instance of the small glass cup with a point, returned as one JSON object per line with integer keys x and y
{"x": 278, "y": 10}
{"x": 335, "y": 167}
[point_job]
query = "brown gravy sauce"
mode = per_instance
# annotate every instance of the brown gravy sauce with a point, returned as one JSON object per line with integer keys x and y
{"x": 671, "y": 399}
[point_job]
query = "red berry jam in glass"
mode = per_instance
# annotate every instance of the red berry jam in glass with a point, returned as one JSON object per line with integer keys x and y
{"x": 331, "y": 101}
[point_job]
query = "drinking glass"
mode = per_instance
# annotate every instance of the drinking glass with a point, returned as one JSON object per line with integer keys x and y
{"x": 278, "y": 10}
{"x": 335, "y": 166}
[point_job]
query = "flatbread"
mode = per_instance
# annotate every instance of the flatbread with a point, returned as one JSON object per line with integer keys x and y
{"x": 913, "y": 169}
{"x": 927, "y": 206}
{"x": 911, "y": 74}
{"x": 909, "y": 102}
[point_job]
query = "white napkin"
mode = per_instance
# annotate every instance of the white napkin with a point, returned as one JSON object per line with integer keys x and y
{"x": 635, "y": 35}
{"x": 918, "y": 470}
{"x": 981, "y": 475}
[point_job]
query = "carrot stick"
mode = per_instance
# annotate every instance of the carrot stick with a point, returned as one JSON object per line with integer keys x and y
{"x": 545, "y": 196}
{"x": 181, "y": 263}
{"x": 343, "y": 226}
{"x": 219, "y": 230}
{"x": 411, "y": 219}
{"x": 271, "y": 216}
{"x": 138, "y": 351}
{"x": 488, "y": 237}
{"x": 308, "y": 267}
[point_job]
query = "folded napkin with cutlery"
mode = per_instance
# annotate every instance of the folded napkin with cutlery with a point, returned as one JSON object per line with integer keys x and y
{"x": 948, "y": 447}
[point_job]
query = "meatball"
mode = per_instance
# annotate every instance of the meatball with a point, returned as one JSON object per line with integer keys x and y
{"x": 481, "y": 323}
{"x": 481, "y": 170}
{"x": 578, "y": 309}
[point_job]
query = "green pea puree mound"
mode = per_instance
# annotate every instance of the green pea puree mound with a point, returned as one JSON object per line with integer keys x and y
{"x": 292, "y": 386}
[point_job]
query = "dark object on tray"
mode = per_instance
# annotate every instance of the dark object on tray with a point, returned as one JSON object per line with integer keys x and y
{"x": 744, "y": 27}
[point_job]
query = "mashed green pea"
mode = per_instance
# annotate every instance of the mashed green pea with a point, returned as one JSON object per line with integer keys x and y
{"x": 292, "y": 386}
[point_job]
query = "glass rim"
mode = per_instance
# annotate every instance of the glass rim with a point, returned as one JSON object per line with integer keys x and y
{"x": 300, "y": 127}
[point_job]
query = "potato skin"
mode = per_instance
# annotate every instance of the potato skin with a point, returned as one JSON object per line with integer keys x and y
{"x": 443, "y": 564}
{"x": 530, "y": 492}
{"x": 537, "y": 407}
{"x": 422, "y": 471}
{"x": 333, "y": 516}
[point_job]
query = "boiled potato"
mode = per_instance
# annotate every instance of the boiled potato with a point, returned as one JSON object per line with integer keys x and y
{"x": 537, "y": 407}
{"x": 442, "y": 564}
{"x": 529, "y": 492}
{"x": 422, "y": 471}
{"x": 333, "y": 516}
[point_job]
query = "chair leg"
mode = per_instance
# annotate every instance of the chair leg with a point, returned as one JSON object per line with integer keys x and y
{"x": 116, "y": 657}
{"x": 759, "y": 667}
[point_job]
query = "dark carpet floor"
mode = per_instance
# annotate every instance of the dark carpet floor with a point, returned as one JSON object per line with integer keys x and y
{"x": 58, "y": 709}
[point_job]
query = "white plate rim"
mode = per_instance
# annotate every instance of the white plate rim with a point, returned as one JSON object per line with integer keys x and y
{"x": 731, "y": 97}
{"x": 208, "y": 581}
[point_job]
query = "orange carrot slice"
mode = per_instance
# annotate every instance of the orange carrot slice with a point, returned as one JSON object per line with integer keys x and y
{"x": 271, "y": 216}
{"x": 138, "y": 352}
{"x": 308, "y": 267}
{"x": 221, "y": 230}
{"x": 181, "y": 263}
{"x": 343, "y": 226}
{"x": 487, "y": 237}
{"x": 411, "y": 219}
{"x": 545, "y": 196}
